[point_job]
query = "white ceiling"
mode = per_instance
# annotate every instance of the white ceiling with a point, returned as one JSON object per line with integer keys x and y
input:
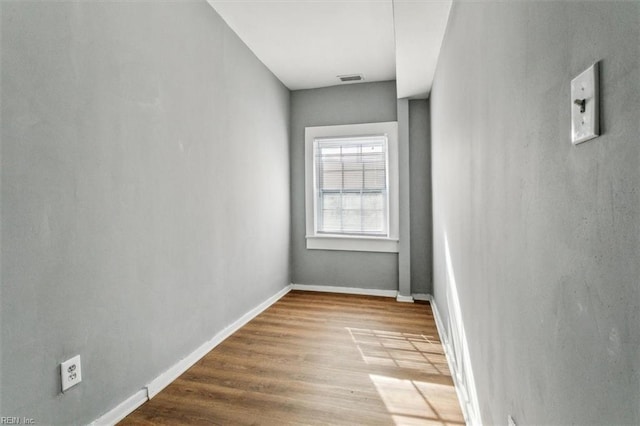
{"x": 420, "y": 27}
{"x": 308, "y": 43}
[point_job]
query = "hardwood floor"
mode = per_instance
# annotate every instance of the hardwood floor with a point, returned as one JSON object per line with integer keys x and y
{"x": 318, "y": 358}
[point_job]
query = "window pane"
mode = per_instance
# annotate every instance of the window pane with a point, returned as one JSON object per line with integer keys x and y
{"x": 331, "y": 201}
{"x": 374, "y": 178}
{"x": 373, "y": 220}
{"x": 332, "y": 180}
{"x": 350, "y": 149}
{"x": 351, "y": 222}
{"x": 352, "y": 202}
{"x": 330, "y": 150}
{"x": 351, "y": 179}
{"x": 373, "y": 201}
{"x": 331, "y": 221}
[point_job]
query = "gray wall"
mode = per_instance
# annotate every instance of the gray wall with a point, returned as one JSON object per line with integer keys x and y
{"x": 420, "y": 189}
{"x": 145, "y": 195}
{"x": 542, "y": 236}
{"x": 348, "y": 104}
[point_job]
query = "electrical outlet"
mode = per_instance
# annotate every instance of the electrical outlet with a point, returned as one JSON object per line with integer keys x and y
{"x": 510, "y": 421}
{"x": 70, "y": 372}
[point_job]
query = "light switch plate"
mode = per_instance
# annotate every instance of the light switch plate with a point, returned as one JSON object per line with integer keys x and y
{"x": 585, "y": 106}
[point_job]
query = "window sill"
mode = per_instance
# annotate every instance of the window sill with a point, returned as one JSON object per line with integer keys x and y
{"x": 347, "y": 243}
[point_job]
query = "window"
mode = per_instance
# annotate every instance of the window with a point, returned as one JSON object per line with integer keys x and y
{"x": 352, "y": 187}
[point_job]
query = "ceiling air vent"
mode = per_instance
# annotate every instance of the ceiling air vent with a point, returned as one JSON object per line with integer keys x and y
{"x": 350, "y": 78}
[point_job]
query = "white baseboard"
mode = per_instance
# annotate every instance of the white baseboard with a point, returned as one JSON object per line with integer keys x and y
{"x": 404, "y": 299}
{"x": 118, "y": 413}
{"x": 164, "y": 379}
{"x": 421, "y": 297}
{"x": 122, "y": 410}
{"x": 461, "y": 389}
{"x": 345, "y": 290}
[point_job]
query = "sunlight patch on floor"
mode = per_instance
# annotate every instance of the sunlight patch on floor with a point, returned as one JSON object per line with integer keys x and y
{"x": 404, "y": 350}
{"x": 412, "y": 402}
{"x": 429, "y": 399}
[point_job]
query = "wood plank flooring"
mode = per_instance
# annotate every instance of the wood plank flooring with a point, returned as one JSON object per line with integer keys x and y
{"x": 317, "y": 359}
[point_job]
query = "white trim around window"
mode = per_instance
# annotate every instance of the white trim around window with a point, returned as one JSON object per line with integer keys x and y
{"x": 386, "y": 242}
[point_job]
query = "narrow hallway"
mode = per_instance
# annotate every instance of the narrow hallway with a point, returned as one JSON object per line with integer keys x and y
{"x": 318, "y": 358}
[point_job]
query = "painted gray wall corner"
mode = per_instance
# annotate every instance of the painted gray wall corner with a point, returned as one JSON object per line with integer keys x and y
{"x": 404, "y": 252}
{"x": 347, "y": 104}
{"x": 145, "y": 195}
{"x": 420, "y": 168}
{"x": 538, "y": 238}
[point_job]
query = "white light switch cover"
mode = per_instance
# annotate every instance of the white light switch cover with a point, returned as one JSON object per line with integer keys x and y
{"x": 585, "y": 125}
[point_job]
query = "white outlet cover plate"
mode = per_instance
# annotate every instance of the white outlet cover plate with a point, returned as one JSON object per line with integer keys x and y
{"x": 70, "y": 372}
{"x": 585, "y": 125}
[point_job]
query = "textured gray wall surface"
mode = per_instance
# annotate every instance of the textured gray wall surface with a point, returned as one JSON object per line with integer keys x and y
{"x": 145, "y": 195}
{"x": 348, "y": 104}
{"x": 404, "y": 200}
{"x": 541, "y": 239}
{"x": 420, "y": 205}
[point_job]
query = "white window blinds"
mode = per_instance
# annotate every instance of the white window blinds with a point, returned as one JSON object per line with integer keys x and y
{"x": 351, "y": 185}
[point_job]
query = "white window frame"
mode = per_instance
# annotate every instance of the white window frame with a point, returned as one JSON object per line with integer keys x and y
{"x": 316, "y": 241}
